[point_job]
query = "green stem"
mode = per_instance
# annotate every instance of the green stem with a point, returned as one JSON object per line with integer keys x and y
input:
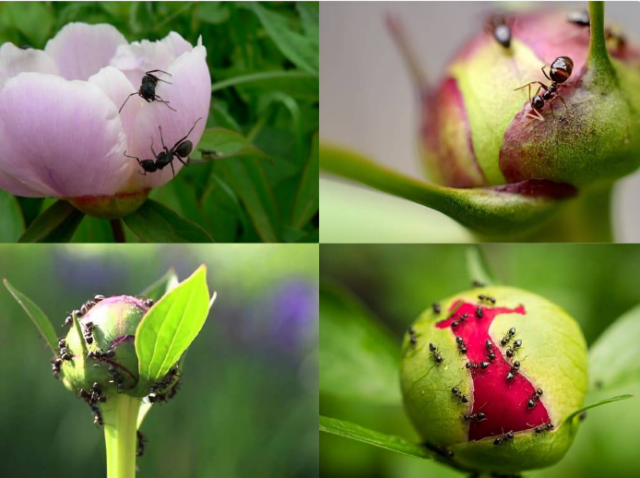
{"x": 118, "y": 231}
{"x": 120, "y": 416}
{"x": 599, "y": 59}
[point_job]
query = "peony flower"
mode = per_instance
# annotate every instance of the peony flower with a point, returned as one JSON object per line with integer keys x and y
{"x": 60, "y": 126}
{"x": 490, "y": 379}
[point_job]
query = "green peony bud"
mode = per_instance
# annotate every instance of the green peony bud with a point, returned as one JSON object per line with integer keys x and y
{"x": 490, "y": 376}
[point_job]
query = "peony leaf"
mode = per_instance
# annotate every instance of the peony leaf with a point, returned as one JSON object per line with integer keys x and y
{"x": 597, "y": 404}
{"x": 364, "y": 435}
{"x": 57, "y": 224}
{"x": 37, "y": 316}
{"x": 11, "y": 218}
{"x": 307, "y": 200}
{"x": 490, "y": 212}
{"x": 154, "y": 222}
{"x": 160, "y": 287}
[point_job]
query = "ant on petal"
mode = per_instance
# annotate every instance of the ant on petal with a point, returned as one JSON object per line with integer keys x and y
{"x": 147, "y": 89}
{"x": 182, "y": 149}
{"x": 559, "y": 72}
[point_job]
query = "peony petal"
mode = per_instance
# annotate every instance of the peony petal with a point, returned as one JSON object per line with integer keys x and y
{"x": 14, "y": 60}
{"x": 190, "y": 95}
{"x": 118, "y": 88}
{"x": 139, "y": 57}
{"x": 81, "y": 50}
{"x": 66, "y": 135}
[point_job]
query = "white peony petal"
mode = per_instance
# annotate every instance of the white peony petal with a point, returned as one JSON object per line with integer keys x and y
{"x": 14, "y": 60}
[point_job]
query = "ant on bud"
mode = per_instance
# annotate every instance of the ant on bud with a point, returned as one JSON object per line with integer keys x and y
{"x": 476, "y": 417}
{"x": 435, "y": 354}
{"x": 545, "y": 427}
{"x": 461, "y": 346}
{"x": 534, "y": 398}
{"x": 68, "y": 321}
{"x": 511, "y": 351}
{"x": 142, "y": 441}
{"x": 442, "y": 451}
{"x": 477, "y": 284}
{"x": 102, "y": 355}
{"x": 514, "y": 370}
{"x": 413, "y": 338}
{"x": 487, "y": 298}
{"x": 88, "y": 332}
{"x": 507, "y": 338}
{"x": 490, "y": 353}
{"x": 56, "y": 365}
{"x": 504, "y": 438}
{"x": 436, "y": 308}
{"x": 461, "y": 396}
{"x": 148, "y": 302}
{"x": 474, "y": 366}
{"x": 98, "y": 298}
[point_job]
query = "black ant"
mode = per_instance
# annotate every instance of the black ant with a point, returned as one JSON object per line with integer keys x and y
{"x": 436, "y": 308}
{"x": 102, "y": 355}
{"x": 514, "y": 370}
{"x": 479, "y": 312}
{"x": 56, "y": 365}
{"x": 511, "y": 351}
{"x": 461, "y": 396}
{"x": 97, "y": 415}
{"x": 534, "y": 398}
{"x": 118, "y": 378}
{"x": 546, "y": 427}
{"x": 473, "y": 366}
{"x": 461, "y": 320}
{"x": 497, "y": 26}
{"x": 461, "y": 346}
{"x": 477, "y": 284}
{"x": 68, "y": 321}
{"x": 142, "y": 441}
{"x": 490, "y": 353}
{"x": 559, "y": 72}
{"x": 504, "y": 438}
{"x": 182, "y": 149}
{"x": 78, "y": 313}
{"x": 487, "y": 298}
{"x": 413, "y": 339}
{"x": 88, "y": 332}
{"x": 98, "y": 298}
{"x": 507, "y": 338}
{"x": 147, "y": 89}
{"x": 581, "y": 19}
{"x": 476, "y": 417}
{"x": 434, "y": 352}
{"x": 442, "y": 451}
{"x": 148, "y": 302}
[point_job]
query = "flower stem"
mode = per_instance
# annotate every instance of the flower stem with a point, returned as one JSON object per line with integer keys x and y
{"x": 118, "y": 231}
{"x": 599, "y": 59}
{"x": 120, "y": 416}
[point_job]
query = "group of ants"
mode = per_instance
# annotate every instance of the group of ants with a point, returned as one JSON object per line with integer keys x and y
{"x": 161, "y": 392}
{"x": 475, "y": 367}
{"x": 560, "y": 69}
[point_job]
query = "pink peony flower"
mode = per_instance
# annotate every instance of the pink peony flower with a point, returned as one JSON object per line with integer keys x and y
{"x": 61, "y": 133}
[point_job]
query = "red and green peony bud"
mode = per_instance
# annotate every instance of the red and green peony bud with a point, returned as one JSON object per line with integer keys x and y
{"x": 99, "y": 357}
{"x": 480, "y": 128}
{"x": 490, "y": 376}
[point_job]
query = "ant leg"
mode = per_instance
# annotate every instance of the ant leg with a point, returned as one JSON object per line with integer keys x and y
{"x": 173, "y": 170}
{"x": 190, "y": 131}
{"x": 532, "y": 83}
{"x": 537, "y": 115}
{"x": 155, "y": 71}
{"x": 565, "y": 104}
{"x": 545, "y": 73}
{"x": 160, "y": 100}
{"x": 182, "y": 160}
{"x": 161, "y": 138}
{"x": 125, "y": 101}
{"x": 553, "y": 113}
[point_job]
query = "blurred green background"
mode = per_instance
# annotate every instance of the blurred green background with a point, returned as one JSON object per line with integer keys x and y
{"x": 264, "y": 64}
{"x": 594, "y": 283}
{"x": 248, "y": 407}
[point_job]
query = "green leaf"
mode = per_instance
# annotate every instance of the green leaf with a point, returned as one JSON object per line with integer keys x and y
{"x": 37, "y": 316}
{"x": 11, "y": 219}
{"x": 154, "y": 222}
{"x": 296, "y": 47}
{"x": 359, "y": 359}
{"x": 597, "y": 404}
{"x": 247, "y": 178}
{"x": 478, "y": 267}
{"x": 57, "y": 224}
{"x": 364, "y": 435}
{"x": 212, "y": 12}
{"x": 489, "y": 212}
{"x": 307, "y": 201}
{"x": 168, "y": 329}
{"x": 221, "y": 143}
{"x": 34, "y": 20}
{"x": 310, "y": 16}
{"x": 614, "y": 359}
{"x": 160, "y": 287}
{"x": 297, "y": 84}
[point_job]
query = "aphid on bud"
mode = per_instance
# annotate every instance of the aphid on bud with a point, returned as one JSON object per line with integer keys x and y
{"x": 504, "y": 438}
{"x": 461, "y": 346}
{"x": 413, "y": 339}
{"x": 534, "y": 398}
{"x": 514, "y": 370}
{"x": 461, "y": 396}
{"x": 476, "y": 417}
{"x": 507, "y": 338}
{"x": 436, "y": 308}
{"x": 435, "y": 354}
{"x": 474, "y": 366}
{"x": 546, "y": 427}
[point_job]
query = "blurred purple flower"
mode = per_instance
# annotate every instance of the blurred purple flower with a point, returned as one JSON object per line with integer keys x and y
{"x": 294, "y": 314}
